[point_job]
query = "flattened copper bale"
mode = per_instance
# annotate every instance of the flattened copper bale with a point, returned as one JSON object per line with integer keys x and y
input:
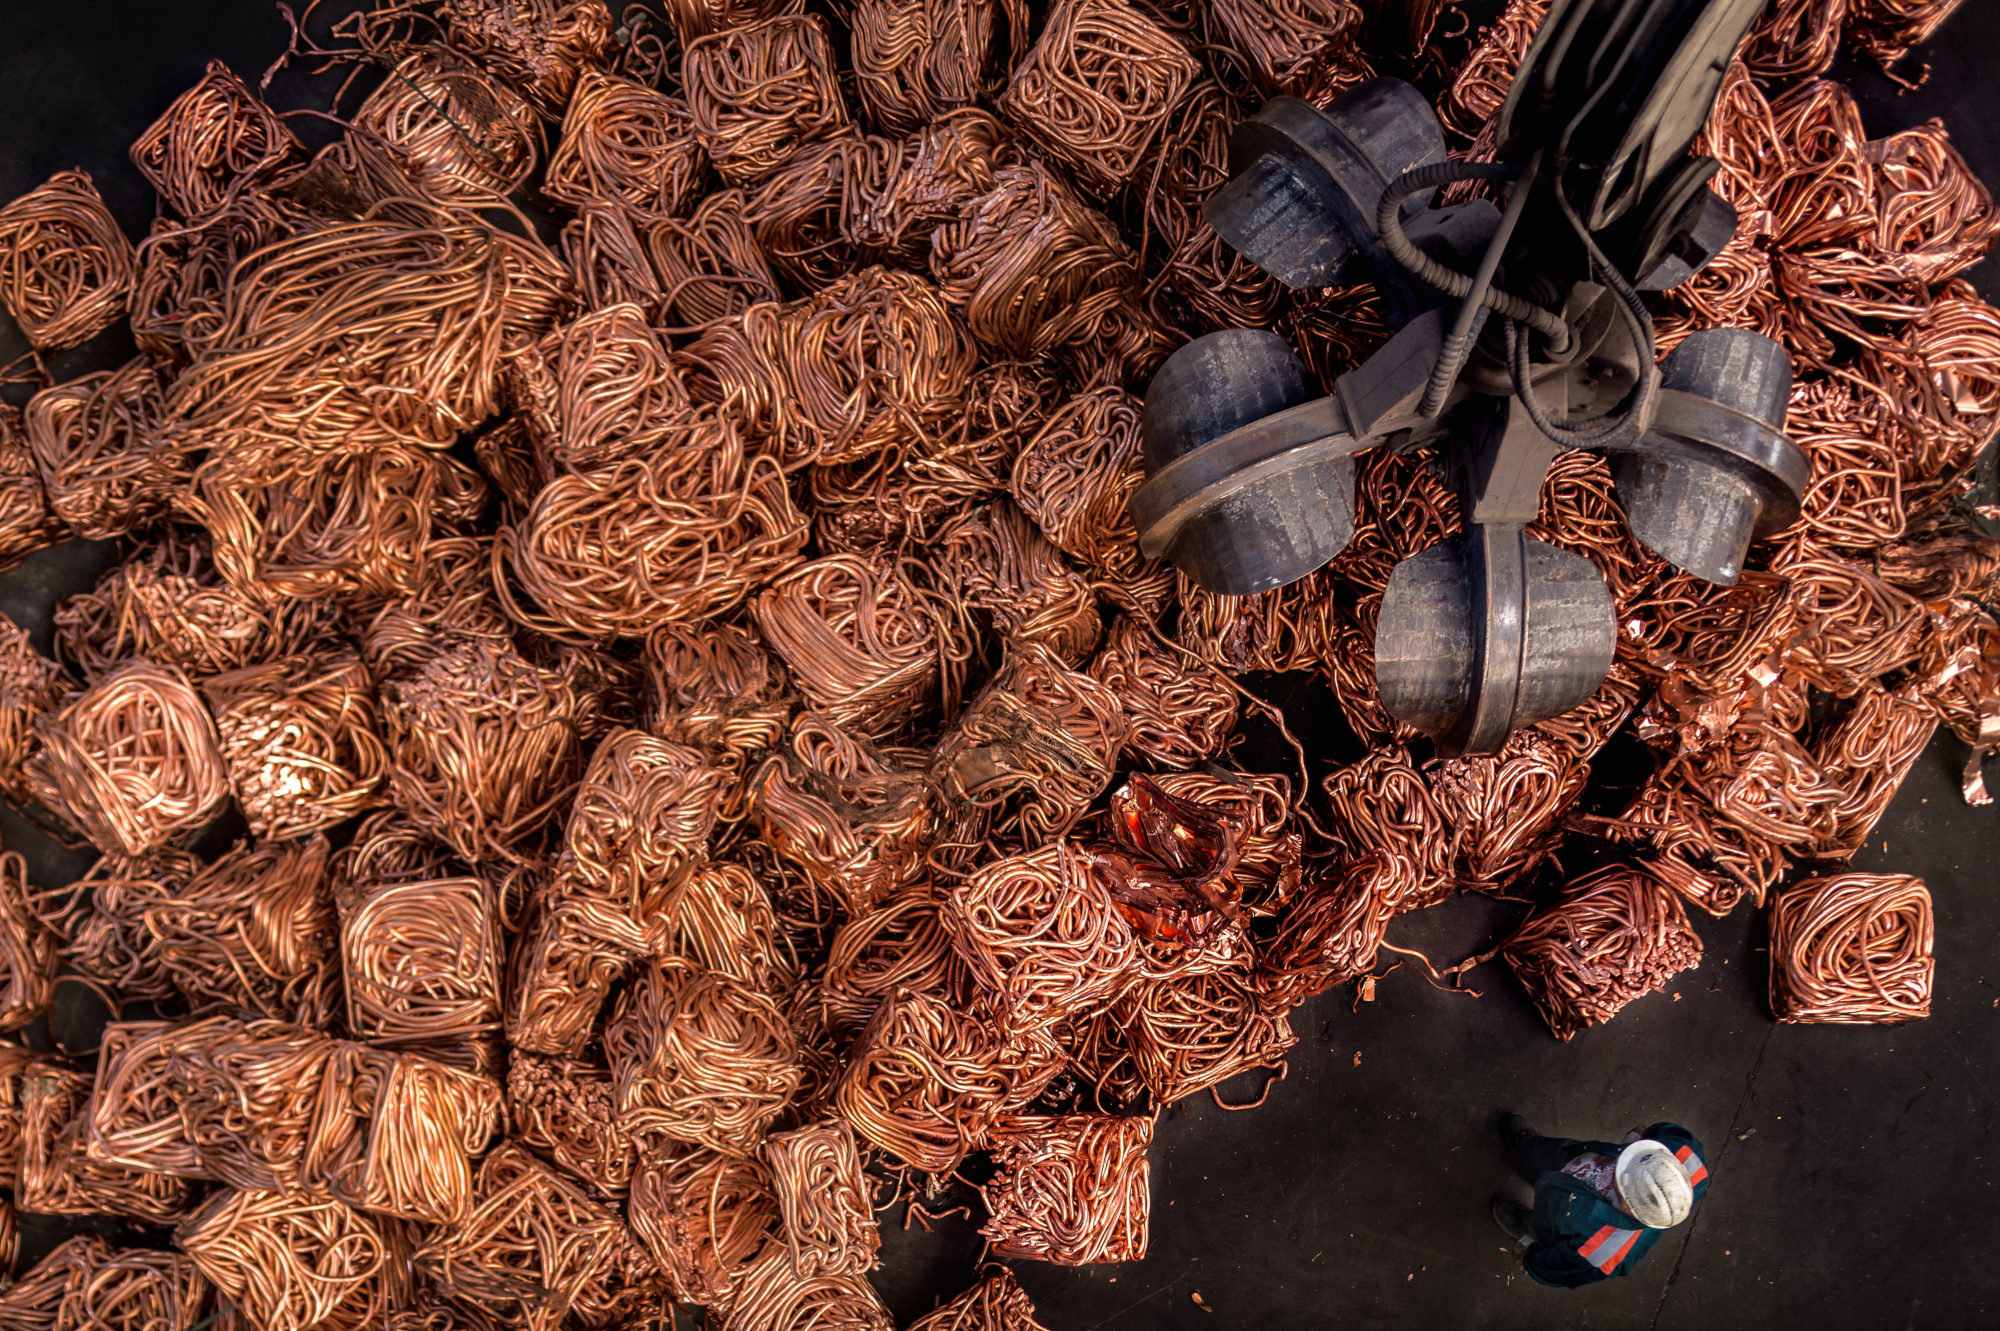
{"x": 1617, "y": 935}
{"x": 1854, "y": 949}
{"x": 1072, "y": 1189}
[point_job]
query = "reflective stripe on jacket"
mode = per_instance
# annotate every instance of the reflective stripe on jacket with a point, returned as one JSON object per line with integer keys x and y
{"x": 1580, "y": 1238}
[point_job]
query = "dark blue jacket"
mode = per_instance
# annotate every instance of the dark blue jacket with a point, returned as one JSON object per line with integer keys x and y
{"x": 1581, "y": 1238}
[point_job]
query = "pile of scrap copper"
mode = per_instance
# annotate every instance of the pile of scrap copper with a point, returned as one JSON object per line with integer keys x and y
{"x": 631, "y": 537}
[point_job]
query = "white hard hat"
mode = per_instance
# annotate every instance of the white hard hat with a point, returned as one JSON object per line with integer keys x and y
{"x": 1653, "y": 1185}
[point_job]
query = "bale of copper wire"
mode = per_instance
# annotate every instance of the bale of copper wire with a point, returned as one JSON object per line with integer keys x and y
{"x": 611, "y": 263}
{"x": 397, "y": 1134}
{"x": 1180, "y": 712}
{"x": 1000, "y": 562}
{"x": 1030, "y": 752}
{"x": 1854, "y": 949}
{"x": 1076, "y": 474}
{"x": 27, "y": 522}
{"x": 31, "y": 689}
{"x": 920, "y": 1081}
{"x": 66, "y": 269}
{"x": 703, "y": 1216}
{"x": 626, "y": 145}
{"x": 541, "y": 46}
{"x": 1307, "y": 48}
{"x": 590, "y": 391}
{"x": 58, "y": 1177}
{"x": 720, "y": 915}
{"x": 1481, "y": 83}
{"x": 421, "y": 963}
{"x": 1332, "y": 933}
{"x": 133, "y": 761}
{"x": 1617, "y": 935}
{"x": 1383, "y": 807}
{"x": 27, "y": 949}
{"x": 134, "y": 1288}
{"x": 216, "y": 135}
{"x": 1190, "y": 1033}
{"x": 996, "y": 1303}
{"x": 829, "y": 1225}
{"x": 1071, "y": 1189}
{"x": 298, "y": 735}
{"x": 643, "y": 811}
{"x": 35, "y": 1301}
{"x": 1885, "y": 30}
{"x": 797, "y": 213}
{"x": 709, "y": 265}
{"x": 290, "y": 1260}
{"x": 759, "y": 91}
{"x": 253, "y": 929}
{"x": 905, "y": 188}
{"x": 771, "y": 1296}
{"x": 566, "y": 1111}
{"x": 917, "y": 61}
{"x": 1505, "y": 810}
{"x": 466, "y": 137}
{"x": 108, "y": 464}
{"x": 1795, "y": 39}
{"x": 900, "y": 944}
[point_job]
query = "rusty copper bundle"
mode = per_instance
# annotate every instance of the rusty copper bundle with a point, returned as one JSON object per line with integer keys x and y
{"x": 900, "y": 944}
{"x": 298, "y": 737}
{"x": 758, "y": 92}
{"x": 1504, "y": 809}
{"x": 108, "y": 462}
{"x": 1097, "y": 87}
{"x": 710, "y": 266}
{"x": 1180, "y": 712}
{"x": 133, "y": 760}
{"x": 771, "y": 1296}
{"x": 291, "y": 1261}
{"x": 918, "y": 61}
{"x": 482, "y": 745}
{"x": 567, "y": 1110}
{"x": 1304, "y": 48}
{"x": 1071, "y": 1189}
{"x": 1190, "y": 1033}
{"x": 829, "y": 1222}
{"x": 1076, "y": 474}
{"x": 703, "y": 1215}
{"x": 563, "y": 966}
{"x": 58, "y": 1177}
{"x": 700, "y": 1058}
{"x": 541, "y": 46}
{"x": 66, "y": 269}
{"x": 216, "y": 135}
{"x": 1386, "y": 809}
{"x": 1617, "y": 935}
{"x": 422, "y": 962}
{"x": 644, "y": 810}
{"x": 920, "y": 1081}
{"x": 996, "y": 1303}
{"x": 1031, "y": 266}
{"x": 682, "y": 534}
{"x": 27, "y": 523}
{"x": 463, "y": 136}
{"x": 27, "y": 949}
{"x": 628, "y": 145}
{"x": 999, "y": 561}
{"x": 1852, "y": 949}
{"x": 1041, "y": 937}
{"x": 31, "y": 689}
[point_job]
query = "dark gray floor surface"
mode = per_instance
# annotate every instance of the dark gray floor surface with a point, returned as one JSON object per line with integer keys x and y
{"x": 1854, "y": 1169}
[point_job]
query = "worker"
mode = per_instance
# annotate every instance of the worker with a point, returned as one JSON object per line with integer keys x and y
{"x": 1599, "y": 1208}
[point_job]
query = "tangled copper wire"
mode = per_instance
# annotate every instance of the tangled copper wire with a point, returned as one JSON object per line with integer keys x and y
{"x": 1306, "y": 49}
{"x": 466, "y": 136}
{"x": 772, "y": 1296}
{"x": 86, "y": 1283}
{"x": 704, "y": 1216}
{"x": 292, "y": 1260}
{"x": 1075, "y": 476}
{"x": 66, "y": 270}
{"x": 568, "y": 957}
{"x": 1853, "y": 949}
{"x": 541, "y": 46}
{"x": 823, "y": 1199}
{"x": 915, "y": 61}
{"x": 567, "y": 1111}
{"x": 996, "y": 1303}
{"x": 1617, "y": 935}
{"x": 31, "y": 688}
{"x": 758, "y": 92}
{"x": 626, "y": 145}
{"x": 1180, "y": 712}
{"x": 215, "y": 134}
{"x": 298, "y": 735}
{"x": 107, "y": 462}
{"x": 709, "y": 265}
{"x": 1071, "y": 1189}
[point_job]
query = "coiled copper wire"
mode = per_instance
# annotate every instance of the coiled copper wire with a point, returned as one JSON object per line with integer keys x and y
{"x": 1617, "y": 935}
{"x": 467, "y": 138}
{"x": 628, "y": 145}
{"x": 134, "y": 1287}
{"x": 298, "y": 735}
{"x": 1076, "y": 474}
{"x": 66, "y": 270}
{"x": 760, "y": 91}
{"x": 422, "y": 963}
{"x": 57, "y": 1177}
{"x": 644, "y": 810}
{"x": 856, "y": 818}
{"x": 1385, "y": 808}
{"x": 1505, "y": 809}
{"x": 899, "y": 945}
{"x": 27, "y": 523}
{"x": 996, "y": 1303}
{"x": 566, "y": 1110}
{"x": 829, "y": 1223}
{"x": 772, "y": 1296}
{"x": 999, "y": 561}
{"x": 35, "y": 1301}
{"x": 27, "y": 949}
{"x": 569, "y": 954}
{"x": 612, "y": 266}
{"x": 703, "y": 1216}
{"x": 1795, "y": 39}
{"x": 1852, "y": 949}
{"x": 1481, "y": 84}
{"x": 215, "y": 134}
{"x": 1332, "y": 933}
{"x": 108, "y": 461}
{"x": 920, "y": 1081}
{"x": 692, "y": 19}
{"x": 1071, "y": 1189}
{"x": 916, "y": 62}
{"x": 1307, "y": 49}
{"x": 184, "y": 267}
{"x": 1193, "y": 1032}
{"x": 31, "y": 689}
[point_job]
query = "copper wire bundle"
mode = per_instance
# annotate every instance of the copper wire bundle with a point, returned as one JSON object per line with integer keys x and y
{"x": 31, "y": 688}
{"x": 856, "y": 819}
{"x": 611, "y": 263}
{"x": 1865, "y": 627}
{"x": 1031, "y": 266}
{"x": 482, "y": 745}
{"x": 797, "y": 214}
{"x": 466, "y": 137}
{"x": 758, "y": 92}
{"x": 1504, "y": 809}
{"x": 290, "y": 1261}
{"x": 567, "y": 1111}
{"x": 1886, "y": 29}
{"x": 700, "y": 1058}
{"x": 682, "y": 534}
{"x": 1292, "y": 628}
{"x": 133, "y": 1289}
{"x": 563, "y": 966}
{"x": 905, "y": 189}
{"x": 644, "y": 810}
{"x": 254, "y": 929}
{"x": 1041, "y": 937}
{"x": 1190, "y": 1033}
{"x": 999, "y": 561}
{"x": 27, "y": 523}
{"x": 771, "y": 1296}
{"x": 1481, "y": 84}
{"x": 715, "y": 688}
{"x": 183, "y": 268}
{"x": 703, "y": 1215}
{"x": 1179, "y": 712}
{"x": 27, "y": 949}
{"x": 1617, "y": 935}
{"x": 1853, "y": 949}
{"x": 216, "y": 134}
{"x": 57, "y": 1177}
{"x": 1306, "y": 48}
{"x": 628, "y": 145}
{"x": 829, "y": 1223}
{"x": 396, "y": 1134}
{"x": 866, "y": 642}
{"x": 1075, "y": 476}
{"x": 108, "y": 463}
{"x": 900, "y": 944}
{"x": 1097, "y": 87}
{"x": 920, "y": 1081}
{"x": 1031, "y": 750}
{"x": 66, "y": 270}
{"x": 1072, "y": 1189}
{"x": 1334, "y": 330}
{"x": 422, "y": 962}
{"x": 541, "y": 46}
{"x": 720, "y": 916}
{"x": 692, "y": 19}
{"x": 133, "y": 760}
{"x": 996, "y": 1303}
{"x": 1795, "y": 39}
{"x": 34, "y": 1302}
{"x": 1262, "y": 866}
{"x": 1385, "y": 808}
{"x": 298, "y": 737}
{"x": 1332, "y": 933}
{"x": 592, "y": 392}
{"x": 710, "y": 266}
{"x": 917, "y": 61}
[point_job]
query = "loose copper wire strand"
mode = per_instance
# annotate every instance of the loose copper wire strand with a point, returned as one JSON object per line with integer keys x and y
{"x": 917, "y": 61}
{"x": 469, "y": 138}
{"x": 996, "y": 1303}
{"x": 1617, "y": 935}
{"x": 1885, "y": 30}
{"x": 66, "y": 270}
{"x": 758, "y": 92}
{"x": 627, "y": 145}
{"x": 1852, "y": 949}
{"x": 829, "y": 1222}
{"x": 1072, "y": 1189}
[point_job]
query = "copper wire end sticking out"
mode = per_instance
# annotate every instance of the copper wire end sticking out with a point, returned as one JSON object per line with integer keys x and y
{"x": 1616, "y": 935}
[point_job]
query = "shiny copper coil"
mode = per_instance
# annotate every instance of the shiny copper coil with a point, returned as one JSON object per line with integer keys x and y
{"x": 1795, "y": 39}
{"x": 135, "y": 1287}
{"x": 1076, "y": 474}
{"x": 100, "y": 918}
{"x": 132, "y": 761}
{"x": 709, "y": 267}
{"x": 703, "y": 1216}
{"x": 1854, "y": 496}
{"x": 27, "y": 949}
{"x": 996, "y": 1303}
{"x": 27, "y": 523}
{"x": 682, "y": 534}
{"x": 1481, "y": 83}
{"x": 1861, "y": 627}
{"x": 758, "y": 92}
{"x": 643, "y": 811}
{"x": 422, "y": 962}
{"x": 1854, "y": 949}
{"x": 1383, "y": 807}
{"x": 1032, "y": 267}
{"x": 1307, "y": 49}
{"x": 570, "y": 953}
{"x": 899, "y": 945}
{"x": 1195, "y": 1032}
{"x": 627, "y": 145}
{"x": 918, "y": 61}
{"x": 108, "y": 461}
{"x": 1097, "y": 87}
{"x": 879, "y": 507}
{"x": 1938, "y": 559}
{"x": 482, "y": 746}
{"x": 298, "y": 735}
{"x": 1617, "y": 935}
{"x": 397, "y": 1134}
{"x": 1868, "y": 753}
{"x": 541, "y": 46}
{"x": 920, "y": 1080}
{"x": 1744, "y": 139}
{"x": 1826, "y": 192}
{"x": 700, "y": 1058}
{"x": 466, "y": 137}
{"x": 1071, "y": 1189}
{"x": 1041, "y": 937}
{"x": 829, "y": 1222}
{"x": 566, "y": 1111}
{"x": 1332, "y": 932}
{"x": 999, "y": 561}
{"x": 866, "y": 641}
{"x": 66, "y": 269}
{"x": 855, "y": 818}
{"x": 57, "y": 1177}
{"x": 31, "y": 689}
{"x": 1179, "y": 713}
{"x": 772, "y": 1296}
{"x": 290, "y": 1261}
{"x": 1717, "y": 635}
{"x": 1505, "y": 810}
